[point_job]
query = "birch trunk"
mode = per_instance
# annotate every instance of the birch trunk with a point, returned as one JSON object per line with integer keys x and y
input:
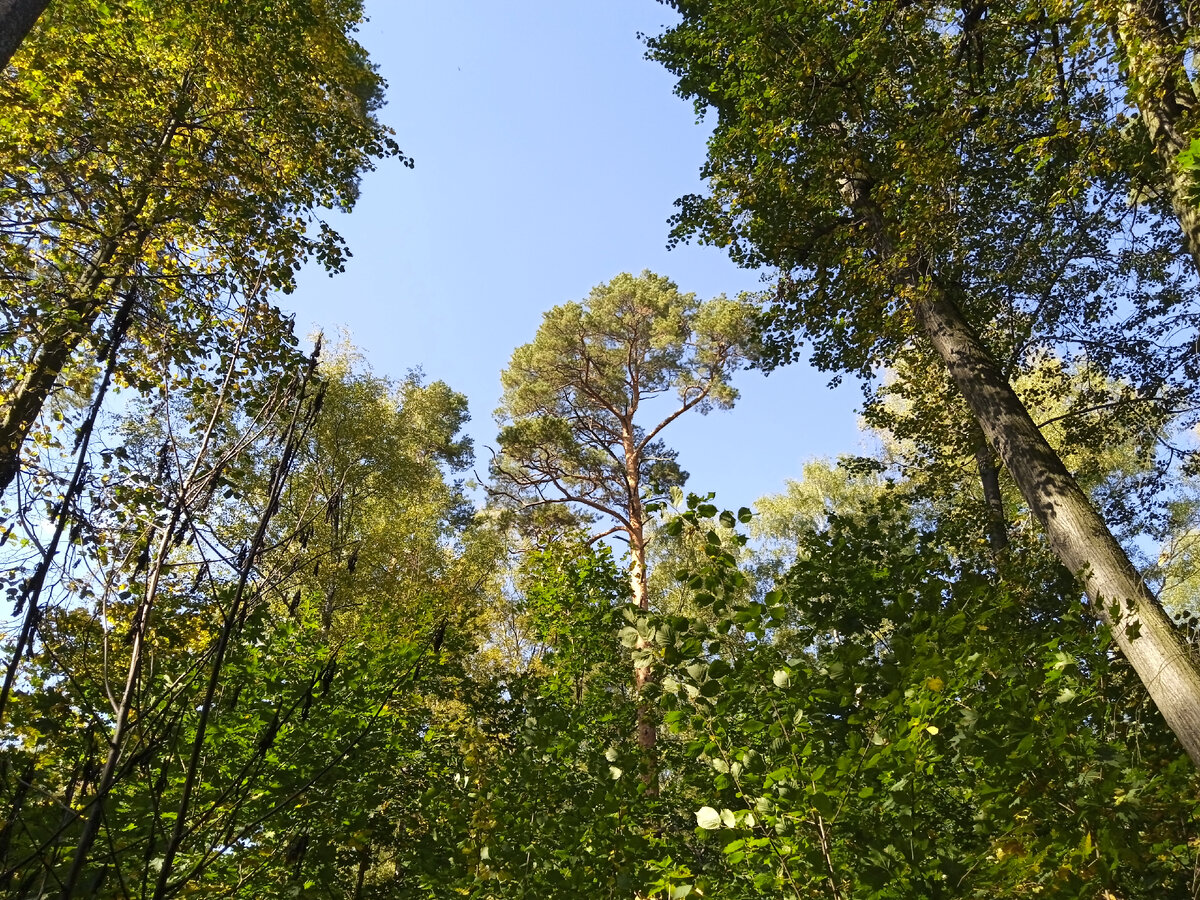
{"x": 647, "y": 731}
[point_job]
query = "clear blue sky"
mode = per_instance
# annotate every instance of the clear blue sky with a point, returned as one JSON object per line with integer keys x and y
{"x": 548, "y": 155}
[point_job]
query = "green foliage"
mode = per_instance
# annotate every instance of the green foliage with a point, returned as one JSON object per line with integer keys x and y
{"x": 919, "y": 730}
{"x": 989, "y": 145}
{"x": 267, "y": 705}
{"x": 263, "y": 646}
{"x": 159, "y": 161}
{"x": 576, "y": 398}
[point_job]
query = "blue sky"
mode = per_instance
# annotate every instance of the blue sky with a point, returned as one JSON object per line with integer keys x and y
{"x": 548, "y": 156}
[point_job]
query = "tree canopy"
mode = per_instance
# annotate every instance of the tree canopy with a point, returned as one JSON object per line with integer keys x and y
{"x": 900, "y": 203}
{"x": 268, "y": 640}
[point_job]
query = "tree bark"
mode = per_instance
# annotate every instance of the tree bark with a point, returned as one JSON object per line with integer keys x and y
{"x": 1166, "y": 665}
{"x": 1077, "y": 534}
{"x": 75, "y": 322}
{"x": 17, "y": 18}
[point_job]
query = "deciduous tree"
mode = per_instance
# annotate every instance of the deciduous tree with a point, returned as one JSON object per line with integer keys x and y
{"x": 901, "y": 173}
{"x": 154, "y": 155}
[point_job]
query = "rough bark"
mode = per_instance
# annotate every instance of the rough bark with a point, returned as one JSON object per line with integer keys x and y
{"x": 1160, "y": 89}
{"x": 29, "y": 396}
{"x": 17, "y": 18}
{"x": 1078, "y": 535}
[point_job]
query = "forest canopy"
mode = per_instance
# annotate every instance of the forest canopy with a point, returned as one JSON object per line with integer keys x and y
{"x": 271, "y": 633}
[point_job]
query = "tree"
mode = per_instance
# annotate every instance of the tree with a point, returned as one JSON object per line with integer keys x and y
{"x": 156, "y": 156}
{"x": 1154, "y": 40}
{"x": 256, "y": 607}
{"x": 576, "y": 398}
{"x": 899, "y": 201}
{"x": 375, "y": 500}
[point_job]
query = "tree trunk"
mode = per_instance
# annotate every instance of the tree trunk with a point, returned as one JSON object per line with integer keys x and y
{"x": 1163, "y": 661}
{"x": 1078, "y": 535}
{"x": 993, "y": 500}
{"x": 17, "y": 18}
{"x": 82, "y": 307}
{"x": 647, "y": 728}
{"x": 1160, "y": 89}
{"x": 29, "y": 396}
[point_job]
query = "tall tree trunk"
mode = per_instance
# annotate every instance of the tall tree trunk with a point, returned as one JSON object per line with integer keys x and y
{"x": 1080, "y": 538}
{"x": 1078, "y": 535}
{"x": 1160, "y": 89}
{"x": 647, "y": 728}
{"x": 140, "y": 630}
{"x": 17, "y": 415}
{"x": 17, "y": 18}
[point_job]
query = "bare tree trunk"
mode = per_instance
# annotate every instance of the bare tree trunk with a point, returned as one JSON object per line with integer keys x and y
{"x": 17, "y": 18}
{"x": 364, "y": 863}
{"x": 1078, "y": 535}
{"x": 116, "y": 740}
{"x": 1167, "y": 667}
{"x": 647, "y": 727}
